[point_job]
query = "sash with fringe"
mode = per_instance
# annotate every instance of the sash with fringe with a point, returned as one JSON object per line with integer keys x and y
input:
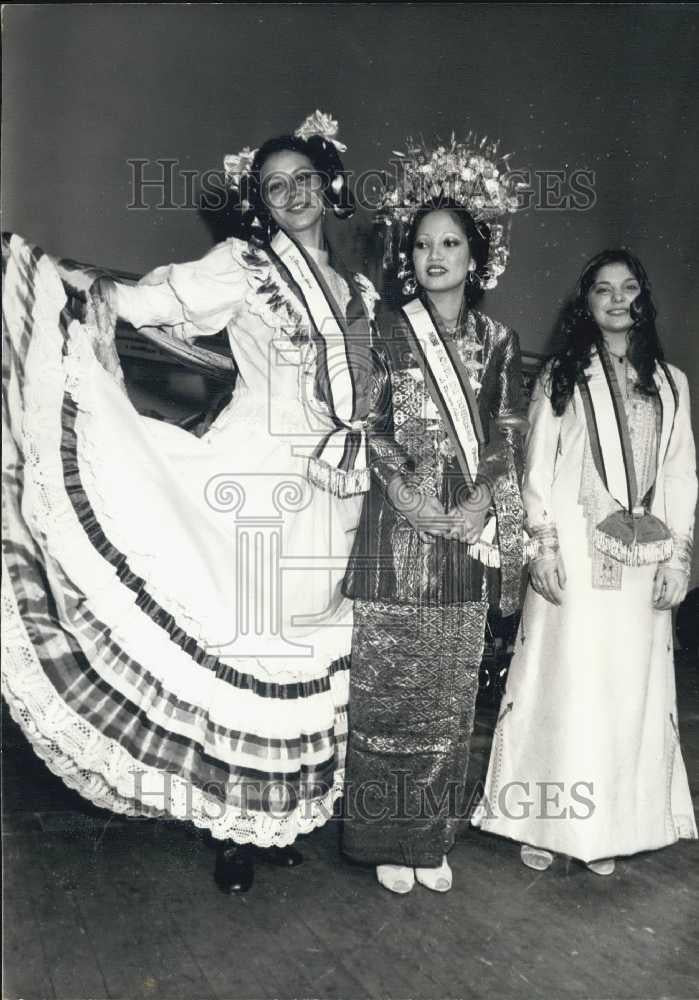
{"x": 632, "y": 535}
{"x": 339, "y": 463}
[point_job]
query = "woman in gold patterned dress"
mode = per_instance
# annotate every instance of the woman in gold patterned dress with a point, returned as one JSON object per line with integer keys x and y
{"x": 434, "y": 531}
{"x": 586, "y": 759}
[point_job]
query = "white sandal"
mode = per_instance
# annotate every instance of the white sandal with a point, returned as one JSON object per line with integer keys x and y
{"x": 605, "y": 866}
{"x": 437, "y": 879}
{"x": 535, "y": 857}
{"x": 396, "y": 878}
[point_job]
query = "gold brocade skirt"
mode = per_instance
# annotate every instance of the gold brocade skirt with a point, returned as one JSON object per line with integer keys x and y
{"x": 413, "y": 687}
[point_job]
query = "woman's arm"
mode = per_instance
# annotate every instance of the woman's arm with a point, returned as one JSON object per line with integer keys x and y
{"x": 498, "y": 481}
{"x": 387, "y": 458}
{"x": 680, "y": 479}
{"x": 391, "y": 465}
{"x": 680, "y": 485}
{"x": 199, "y": 298}
{"x": 547, "y": 572}
{"x": 501, "y": 459}
{"x": 510, "y": 423}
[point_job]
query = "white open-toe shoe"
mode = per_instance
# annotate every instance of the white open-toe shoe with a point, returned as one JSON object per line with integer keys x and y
{"x": 535, "y": 857}
{"x": 437, "y": 879}
{"x": 396, "y": 878}
{"x": 604, "y": 867}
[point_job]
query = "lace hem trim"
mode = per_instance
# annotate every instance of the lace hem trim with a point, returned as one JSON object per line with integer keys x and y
{"x": 101, "y": 770}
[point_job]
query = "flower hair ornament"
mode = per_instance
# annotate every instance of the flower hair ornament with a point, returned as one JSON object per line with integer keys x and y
{"x": 238, "y": 166}
{"x": 472, "y": 173}
{"x": 323, "y": 126}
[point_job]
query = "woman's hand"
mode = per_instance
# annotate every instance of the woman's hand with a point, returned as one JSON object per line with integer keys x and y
{"x": 467, "y": 524}
{"x": 471, "y": 513}
{"x": 103, "y": 290}
{"x": 669, "y": 588}
{"x": 424, "y": 514}
{"x": 548, "y": 577}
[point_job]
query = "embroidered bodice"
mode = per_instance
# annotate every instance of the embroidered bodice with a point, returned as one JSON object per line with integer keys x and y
{"x": 559, "y": 450}
{"x": 644, "y": 418}
{"x": 419, "y": 428}
{"x": 389, "y": 561}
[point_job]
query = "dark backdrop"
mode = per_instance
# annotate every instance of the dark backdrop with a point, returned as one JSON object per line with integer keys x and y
{"x": 609, "y": 88}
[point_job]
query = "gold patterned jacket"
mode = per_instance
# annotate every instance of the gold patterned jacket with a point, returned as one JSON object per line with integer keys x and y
{"x": 389, "y": 562}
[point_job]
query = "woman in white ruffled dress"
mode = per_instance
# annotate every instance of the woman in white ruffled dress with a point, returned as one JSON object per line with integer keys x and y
{"x": 175, "y": 639}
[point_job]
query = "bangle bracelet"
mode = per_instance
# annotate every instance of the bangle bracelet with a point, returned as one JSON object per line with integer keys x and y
{"x": 682, "y": 549}
{"x": 546, "y": 540}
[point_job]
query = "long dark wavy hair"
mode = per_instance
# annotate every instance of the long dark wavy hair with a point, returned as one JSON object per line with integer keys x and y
{"x": 578, "y": 334}
{"x": 325, "y": 160}
{"x": 477, "y": 236}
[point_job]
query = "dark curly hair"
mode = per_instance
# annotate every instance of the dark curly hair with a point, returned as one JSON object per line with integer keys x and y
{"x": 577, "y": 333}
{"x": 477, "y": 234}
{"x": 326, "y": 162}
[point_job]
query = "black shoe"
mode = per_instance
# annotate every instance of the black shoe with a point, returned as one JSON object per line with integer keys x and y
{"x": 235, "y": 867}
{"x": 280, "y": 857}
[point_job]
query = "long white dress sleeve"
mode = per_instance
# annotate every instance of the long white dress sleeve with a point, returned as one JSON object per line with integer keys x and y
{"x": 199, "y": 297}
{"x": 679, "y": 479}
{"x": 541, "y": 450}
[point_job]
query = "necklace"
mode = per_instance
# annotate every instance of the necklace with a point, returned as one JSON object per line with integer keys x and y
{"x": 453, "y": 328}
{"x": 621, "y": 358}
{"x": 454, "y": 325}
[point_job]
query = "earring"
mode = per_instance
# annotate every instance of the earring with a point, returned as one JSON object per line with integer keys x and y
{"x": 472, "y": 280}
{"x": 410, "y": 285}
{"x": 270, "y": 229}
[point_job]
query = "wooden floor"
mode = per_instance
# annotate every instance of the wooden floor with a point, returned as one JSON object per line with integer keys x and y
{"x": 96, "y": 906}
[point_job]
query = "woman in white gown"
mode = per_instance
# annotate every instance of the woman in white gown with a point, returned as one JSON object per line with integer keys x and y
{"x": 586, "y": 758}
{"x": 175, "y": 638}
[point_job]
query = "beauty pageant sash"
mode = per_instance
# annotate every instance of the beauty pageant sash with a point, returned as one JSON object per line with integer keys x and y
{"x": 340, "y": 461}
{"x": 632, "y": 535}
{"x": 449, "y": 386}
{"x": 503, "y": 543}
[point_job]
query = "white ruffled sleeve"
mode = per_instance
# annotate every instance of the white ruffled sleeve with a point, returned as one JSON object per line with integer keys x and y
{"x": 198, "y": 298}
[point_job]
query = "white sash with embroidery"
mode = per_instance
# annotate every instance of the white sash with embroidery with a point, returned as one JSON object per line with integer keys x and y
{"x": 631, "y": 535}
{"x": 339, "y": 463}
{"x": 449, "y": 385}
{"x": 452, "y": 393}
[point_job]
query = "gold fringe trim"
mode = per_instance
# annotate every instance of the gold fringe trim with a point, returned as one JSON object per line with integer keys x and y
{"x": 637, "y": 554}
{"x": 489, "y": 554}
{"x": 337, "y": 481}
{"x": 485, "y": 553}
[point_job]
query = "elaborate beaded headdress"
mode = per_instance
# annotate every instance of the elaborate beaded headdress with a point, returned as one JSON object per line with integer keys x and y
{"x": 472, "y": 173}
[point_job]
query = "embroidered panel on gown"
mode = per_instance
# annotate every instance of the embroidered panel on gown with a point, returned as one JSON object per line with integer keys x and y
{"x": 644, "y": 417}
{"x": 442, "y": 572}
